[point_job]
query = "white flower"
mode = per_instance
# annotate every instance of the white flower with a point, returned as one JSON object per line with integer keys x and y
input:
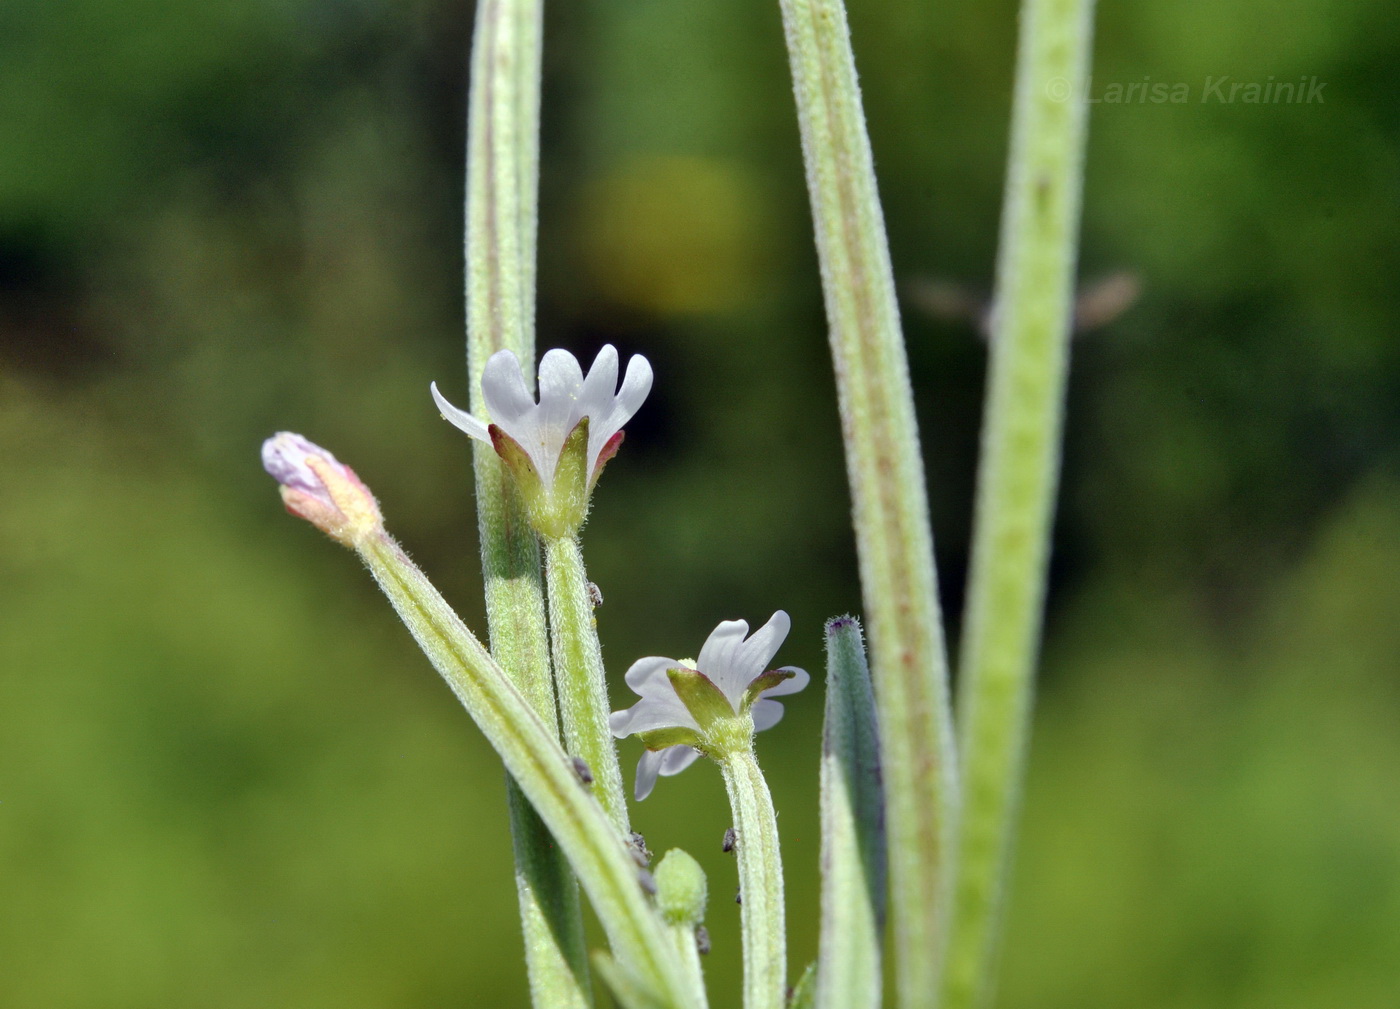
{"x": 566, "y": 397}
{"x": 730, "y": 660}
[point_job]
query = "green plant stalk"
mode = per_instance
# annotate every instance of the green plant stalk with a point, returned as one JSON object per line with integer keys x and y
{"x": 683, "y": 936}
{"x": 760, "y": 881}
{"x": 545, "y": 773}
{"x": 889, "y": 502}
{"x": 1019, "y": 469}
{"x": 853, "y": 839}
{"x": 578, "y": 674}
{"x": 502, "y": 180}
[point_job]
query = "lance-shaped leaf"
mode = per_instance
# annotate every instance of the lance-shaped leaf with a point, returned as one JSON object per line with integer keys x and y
{"x": 853, "y": 829}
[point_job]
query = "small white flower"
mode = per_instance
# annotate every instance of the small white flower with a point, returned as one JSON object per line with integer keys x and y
{"x": 732, "y": 661}
{"x": 566, "y": 397}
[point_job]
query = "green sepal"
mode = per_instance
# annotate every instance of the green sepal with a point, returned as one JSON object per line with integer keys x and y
{"x": 608, "y": 450}
{"x": 522, "y": 468}
{"x": 659, "y": 739}
{"x": 705, "y": 701}
{"x": 762, "y": 682}
{"x": 571, "y": 483}
{"x": 558, "y": 511}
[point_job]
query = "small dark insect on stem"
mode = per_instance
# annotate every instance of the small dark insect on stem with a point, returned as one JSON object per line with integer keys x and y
{"x": 637, "y": 844}
{"x": 731, "y": 838}
{"x": 581, "y": 768}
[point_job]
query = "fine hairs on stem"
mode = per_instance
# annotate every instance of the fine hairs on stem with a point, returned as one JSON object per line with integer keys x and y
{"x": 1019, "y": 469}
{"x": 896, "y": 806}
{"x": 502, "y": 191}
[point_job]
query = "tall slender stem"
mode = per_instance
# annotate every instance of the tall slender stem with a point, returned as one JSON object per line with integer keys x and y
{"x": 908, "y": 655}
{"x": 543, "y": 770}
{"x": 1020, "y": 464}
{"x": 502, "y": 187}
{"x": 578, "y": 673}
{"x": 760, "y": 881}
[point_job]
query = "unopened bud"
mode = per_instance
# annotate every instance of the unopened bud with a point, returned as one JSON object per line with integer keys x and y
{"x": 682, "y": 888}
{"x": 320, "y": 488}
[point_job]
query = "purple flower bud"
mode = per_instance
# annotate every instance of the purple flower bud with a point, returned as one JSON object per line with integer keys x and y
{"x": 320, "y": 488}
{"x": 285, "y": 456}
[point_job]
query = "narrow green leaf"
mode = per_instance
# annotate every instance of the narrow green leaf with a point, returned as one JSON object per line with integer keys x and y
{"x": 853, "y": 829}
{"x": 1019, "y": 471}
{"x": 888, "y": 497}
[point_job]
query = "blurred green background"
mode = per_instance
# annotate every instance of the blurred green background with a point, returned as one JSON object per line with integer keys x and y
{"x": 227, "y": 779}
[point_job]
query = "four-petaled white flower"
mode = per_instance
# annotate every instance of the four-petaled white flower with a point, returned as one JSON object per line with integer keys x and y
{"x": 566, "y": 398}
{"x": 730, "y": 660}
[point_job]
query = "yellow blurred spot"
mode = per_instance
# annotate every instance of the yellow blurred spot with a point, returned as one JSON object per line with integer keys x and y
{"x": 675, "y": 235}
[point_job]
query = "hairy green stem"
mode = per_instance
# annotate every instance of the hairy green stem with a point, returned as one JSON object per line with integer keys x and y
{"x": 760, "y": 881}
{"x": 889, "y": 502}
{"x": 545, "y": 773}
{"x": 502, "y": 188}
{"x": 1019, "y": 469}
{"x": 688, "y": 949}
{"x": 578, "y": 673}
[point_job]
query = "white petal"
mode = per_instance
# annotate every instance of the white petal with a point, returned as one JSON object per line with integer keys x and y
{"x": 766, "y": 714}
{"x": 460, "y": 418}
{"x": 755, "y": 654}
{"x": 600, "y": 387}
{"x": 717, "y": 657}
{"x": 660, "y": 711}
{"x": 644, "y": 670}
{"x": 507, "y": 399}
{"x": 619, "y": 409}
{"x": 675, "y": 759}
{"x": 647, "y": 770}
{"x": 561, "y": 384}
{"x": 798, "y": 680}
{"x": 636, "y": 385}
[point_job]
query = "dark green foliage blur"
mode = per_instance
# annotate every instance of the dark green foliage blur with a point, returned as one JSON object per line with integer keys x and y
{"x": 228, "y": 780}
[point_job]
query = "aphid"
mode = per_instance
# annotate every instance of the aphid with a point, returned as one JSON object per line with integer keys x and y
{"x": 581, "y": 768}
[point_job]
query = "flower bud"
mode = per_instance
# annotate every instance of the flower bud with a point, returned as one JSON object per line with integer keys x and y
{"x": 321, "y": 489}
{"x": 681, "y": 888}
